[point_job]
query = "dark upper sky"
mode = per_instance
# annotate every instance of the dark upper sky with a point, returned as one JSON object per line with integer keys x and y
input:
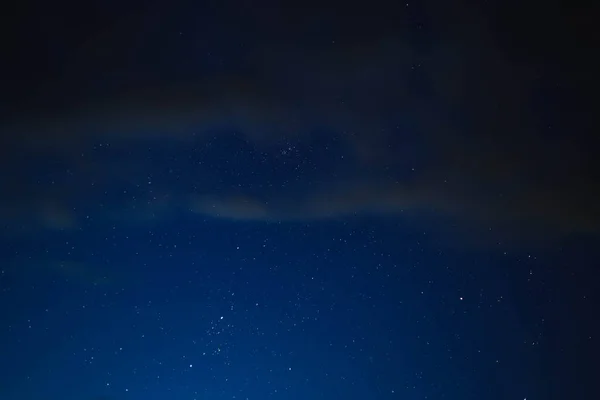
{"x": 473, "y": 113}
{"x": 461, "y": 132}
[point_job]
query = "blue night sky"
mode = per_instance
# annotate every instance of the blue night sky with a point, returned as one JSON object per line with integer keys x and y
{"x": 254, "y": 201}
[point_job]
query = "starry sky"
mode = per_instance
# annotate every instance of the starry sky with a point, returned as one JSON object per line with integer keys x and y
{"x": 250, "y": 200}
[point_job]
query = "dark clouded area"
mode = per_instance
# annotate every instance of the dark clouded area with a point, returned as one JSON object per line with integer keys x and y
{"x": 262, "y": 118}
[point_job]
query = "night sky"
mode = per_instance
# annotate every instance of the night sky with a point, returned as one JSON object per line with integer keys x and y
{"x": 250, "y": 200}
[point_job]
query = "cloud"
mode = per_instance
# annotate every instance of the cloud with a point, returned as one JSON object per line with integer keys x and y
{"x": 528, "y": 212}
{"x": 385, "y": 126}
{"x": 235, "y": 207}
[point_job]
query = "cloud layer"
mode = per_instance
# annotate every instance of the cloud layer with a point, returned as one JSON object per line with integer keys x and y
{"x": 379, "y": 125}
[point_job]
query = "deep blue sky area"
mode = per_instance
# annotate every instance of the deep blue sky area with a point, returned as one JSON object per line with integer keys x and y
{"x": 356, "y": 308}
{"x": 253, "y": 201}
